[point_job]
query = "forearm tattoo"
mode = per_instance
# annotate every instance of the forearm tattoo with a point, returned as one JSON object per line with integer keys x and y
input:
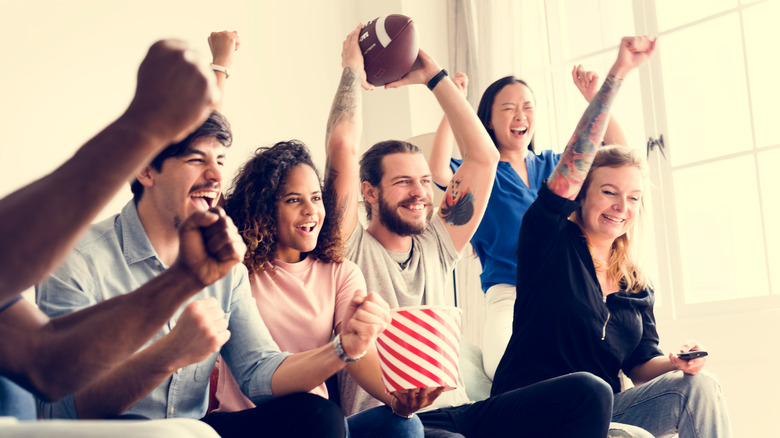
{"x": 567, "y": 178}
{"x": 345, "y": 102}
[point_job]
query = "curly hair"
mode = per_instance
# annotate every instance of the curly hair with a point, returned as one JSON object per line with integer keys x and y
{"x": 626, "y": 261}
{"x": 252, "y": 203}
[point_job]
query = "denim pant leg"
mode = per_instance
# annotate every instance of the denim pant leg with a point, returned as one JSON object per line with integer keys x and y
{"x": 295, "y": 415}
{"x": 674, "y": 402}
{"x": 381, "y": 422}
{"x": 574, "y": 405}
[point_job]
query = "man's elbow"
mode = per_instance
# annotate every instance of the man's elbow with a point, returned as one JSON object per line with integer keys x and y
{"x": 338, "y": 146}
{"x": 440, "y": 180}
{"x": 44, "y": 386}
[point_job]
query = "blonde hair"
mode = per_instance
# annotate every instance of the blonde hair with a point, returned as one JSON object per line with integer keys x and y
{"x": 626, "y": 258}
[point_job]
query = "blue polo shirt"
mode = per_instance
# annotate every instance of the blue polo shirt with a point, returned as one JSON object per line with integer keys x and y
{"x": 495, "y": 241}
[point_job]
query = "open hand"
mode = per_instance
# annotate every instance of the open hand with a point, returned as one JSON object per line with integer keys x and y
{"x": 352, "y": 56}
{"x": 423, "y": 70}
{"x": 408, "y": 401}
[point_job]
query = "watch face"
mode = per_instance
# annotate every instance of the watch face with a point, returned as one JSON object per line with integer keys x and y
{"x": 343, "y": 354}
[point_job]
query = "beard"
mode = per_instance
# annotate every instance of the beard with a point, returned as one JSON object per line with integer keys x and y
{"x": 389, "y": 217}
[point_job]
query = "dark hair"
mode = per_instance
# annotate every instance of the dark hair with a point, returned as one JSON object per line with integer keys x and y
{"x": 252, "y": 203}
{"x": 485, "y": 109}
{"x": 371, "y": 169}
{"x": 216, "y": 125}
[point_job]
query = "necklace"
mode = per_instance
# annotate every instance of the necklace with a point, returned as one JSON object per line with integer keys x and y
{"x": 408, "y": 259}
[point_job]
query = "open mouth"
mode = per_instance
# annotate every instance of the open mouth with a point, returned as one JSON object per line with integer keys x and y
{"x": 612, "y": 219}
{"x": 308, "y": 227}
{"x": 416, "y": 207}
{"x": 204, "y": 199}
{"x": 520, "y": 131}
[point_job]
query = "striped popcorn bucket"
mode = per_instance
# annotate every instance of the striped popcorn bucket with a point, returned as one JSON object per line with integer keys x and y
{"x": 420, "y": 348}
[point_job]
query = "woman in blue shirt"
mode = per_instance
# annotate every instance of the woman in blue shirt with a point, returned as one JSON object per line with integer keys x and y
{"x": 507, "y": 111}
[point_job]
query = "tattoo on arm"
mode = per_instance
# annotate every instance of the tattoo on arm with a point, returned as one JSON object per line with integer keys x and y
{"x": 344, "y": 103}
{"x": 332, "y": 204}
{"x": 458, "y": 207}
{"x": 567, "y": 178}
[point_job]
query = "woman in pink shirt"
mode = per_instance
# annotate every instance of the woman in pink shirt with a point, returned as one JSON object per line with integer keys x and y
{"x": 298, "y": 274}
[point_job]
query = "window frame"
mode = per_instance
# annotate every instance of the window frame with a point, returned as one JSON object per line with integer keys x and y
{"x": 669, "y": 282}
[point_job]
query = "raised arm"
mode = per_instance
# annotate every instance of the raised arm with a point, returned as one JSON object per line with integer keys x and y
{"x": 223, "y": 47}
{"x": 55, "y": 357}
{"x": 342, "y": 139}
{"x": 567, "y": 178}
{"x": 41, "y": 222}
{"x": 587, "y": 83}
{"x": 443, "y": 142}
{"x": 469, "y": 189}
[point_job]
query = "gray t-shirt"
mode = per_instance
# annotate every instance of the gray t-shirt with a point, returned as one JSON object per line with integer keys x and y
{"x": 403, "y": 279}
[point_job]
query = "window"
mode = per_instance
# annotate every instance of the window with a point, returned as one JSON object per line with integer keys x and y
{"x": 712, "y": 93}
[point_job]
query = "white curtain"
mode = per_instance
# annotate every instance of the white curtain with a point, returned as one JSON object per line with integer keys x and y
{"x": 490, "y": 39}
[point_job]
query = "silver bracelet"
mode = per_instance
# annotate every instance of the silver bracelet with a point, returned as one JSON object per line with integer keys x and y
{"x": 343, "y": 354}
{"x": 392, "y": 408}
{"x": 217, "y": 67}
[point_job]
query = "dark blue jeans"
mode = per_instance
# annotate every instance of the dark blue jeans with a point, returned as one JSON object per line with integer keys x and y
{"x": 577, "y": 404}
{"x": 15, "y": 401}
{"x": 381, "y": 422}
{"x": 296, "y": 415}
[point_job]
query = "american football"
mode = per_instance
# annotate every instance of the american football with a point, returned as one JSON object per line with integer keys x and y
{"x": 389, "y": 45}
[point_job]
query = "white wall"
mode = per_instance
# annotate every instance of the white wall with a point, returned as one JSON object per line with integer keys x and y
{"x": 744, "y": 357}
{"x": 409, "y": 111}
{"x": 69, "y": 69}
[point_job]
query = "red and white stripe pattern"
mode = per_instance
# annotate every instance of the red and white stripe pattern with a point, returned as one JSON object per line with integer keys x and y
{"x": 420, "y": 348}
